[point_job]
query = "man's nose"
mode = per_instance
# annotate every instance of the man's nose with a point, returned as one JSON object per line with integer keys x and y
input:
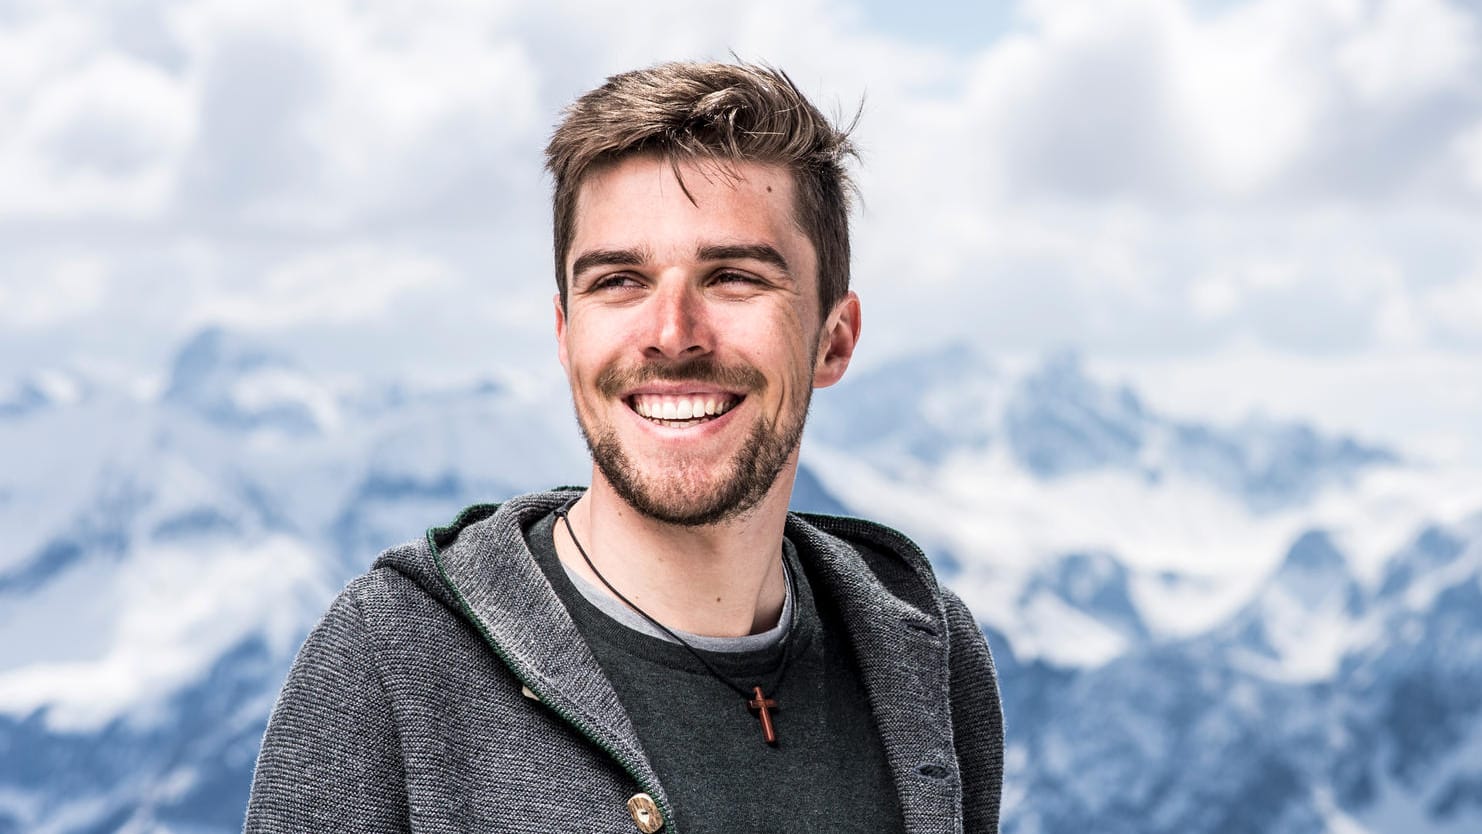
{"x": 680, "y": 328}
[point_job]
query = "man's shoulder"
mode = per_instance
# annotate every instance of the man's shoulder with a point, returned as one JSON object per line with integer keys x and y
{"x": 478, "y": 526}
{"x": 415, "y": 592}
{"x": 877, "y": 537}
{"x": 879, "y": 552}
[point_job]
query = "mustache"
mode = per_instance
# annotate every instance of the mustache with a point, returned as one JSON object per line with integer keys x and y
{"x": 613, "y": 381}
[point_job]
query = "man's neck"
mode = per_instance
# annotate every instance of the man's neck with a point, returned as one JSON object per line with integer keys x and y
{"x": 720, "y": 580}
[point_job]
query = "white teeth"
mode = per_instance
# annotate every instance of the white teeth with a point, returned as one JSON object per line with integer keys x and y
{"x": 680, "y": 409}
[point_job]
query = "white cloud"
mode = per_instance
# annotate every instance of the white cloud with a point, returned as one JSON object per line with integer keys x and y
{"x": 1456, "y": 309}
{"x": 1246, "y": 94}
{"x": 1148, "y": 176}
{"x": 1405, "y": 49}
{"x": 1214, "y": 296}
{"x": 66, "y": 290}
{"x": 1467, "y": 151}
{"x": 1154, "y": 100}
{"x": 334, "y": 115}
{"x": 37, "y": 46}
{"x": 1143, "y": 176}
{"x": 338, "y": 286}
{"x": 1220, "y": 293}
{"x": 105, "y": 136}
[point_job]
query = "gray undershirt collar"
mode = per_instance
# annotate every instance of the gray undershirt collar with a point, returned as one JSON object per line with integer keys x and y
{"x": 627, "y": 617}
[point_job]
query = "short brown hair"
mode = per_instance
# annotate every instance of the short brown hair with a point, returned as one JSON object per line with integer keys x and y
{"x": 725, "y": 113}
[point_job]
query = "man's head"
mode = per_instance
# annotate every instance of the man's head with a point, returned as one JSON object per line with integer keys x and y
{"x": 702, "y": 250}
{"x": 721, "y": 114}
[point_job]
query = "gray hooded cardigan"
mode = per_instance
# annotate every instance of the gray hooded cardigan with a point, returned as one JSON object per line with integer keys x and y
{"x": 448, "y": 690}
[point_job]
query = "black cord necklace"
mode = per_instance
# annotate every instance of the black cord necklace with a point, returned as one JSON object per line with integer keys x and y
{"x": 756, "y": 700}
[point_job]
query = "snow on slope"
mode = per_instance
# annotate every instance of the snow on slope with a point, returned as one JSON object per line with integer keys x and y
{"x": 131, "y": 639}
{"x": 165, "y": 562}
{"x": 1046, "y": 462}
{"x": 151, "y": 536}
{"x": 1179, "y": 610}
{"x": 1188, "y": 734}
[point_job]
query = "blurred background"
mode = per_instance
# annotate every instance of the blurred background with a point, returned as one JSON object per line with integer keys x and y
{"x": 1172, "y": 360}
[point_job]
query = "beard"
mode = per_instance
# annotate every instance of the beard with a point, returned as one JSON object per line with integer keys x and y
{"x": 681, "y": 493}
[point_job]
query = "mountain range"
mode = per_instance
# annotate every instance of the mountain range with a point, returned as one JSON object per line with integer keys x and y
{"x": 1250, "y": 626}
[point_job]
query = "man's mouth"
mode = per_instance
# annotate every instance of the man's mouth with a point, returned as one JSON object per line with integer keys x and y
{"x": 681, "y": 410}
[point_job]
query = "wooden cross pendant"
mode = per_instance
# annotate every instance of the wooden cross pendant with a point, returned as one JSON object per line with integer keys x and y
{"x": 762, "y": 704}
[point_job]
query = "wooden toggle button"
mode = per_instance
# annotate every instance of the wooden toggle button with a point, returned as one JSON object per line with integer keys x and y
{"x": 645, "y": 813}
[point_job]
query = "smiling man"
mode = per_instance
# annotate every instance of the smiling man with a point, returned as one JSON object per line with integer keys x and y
{"x": 669, "y": 649}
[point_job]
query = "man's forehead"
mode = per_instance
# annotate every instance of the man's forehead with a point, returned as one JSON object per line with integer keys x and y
{"x": 703, "y": 196}
{"x": 694, "y": 177}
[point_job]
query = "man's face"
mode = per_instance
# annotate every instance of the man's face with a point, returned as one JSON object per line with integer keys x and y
{"x": 692, "y": 337}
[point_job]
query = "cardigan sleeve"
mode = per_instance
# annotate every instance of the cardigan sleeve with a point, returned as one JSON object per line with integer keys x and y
{"x": 977, "y": 719}
{"x": 331, "y": 758}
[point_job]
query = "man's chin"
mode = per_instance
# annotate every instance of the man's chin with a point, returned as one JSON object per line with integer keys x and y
{"x": 682, "y": 502}
{"x": 691, "y": 494}
{"x": 686, "y": 498}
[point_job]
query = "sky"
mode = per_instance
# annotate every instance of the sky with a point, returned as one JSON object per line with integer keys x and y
{"x": 1271, "y": 205}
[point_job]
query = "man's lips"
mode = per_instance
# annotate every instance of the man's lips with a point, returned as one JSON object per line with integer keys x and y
{"x": 683, "y": 394}
{"x": 683, "y": 408}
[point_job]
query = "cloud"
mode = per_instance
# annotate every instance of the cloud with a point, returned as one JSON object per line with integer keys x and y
{"x": 337, "y": 115}
{"x": 1456, "y": 309}
{"x": 90, "y": 133}
{"x": 1146, "y": 177}
{"x": 1467, "y": 151}
{"x": 1404, "y": 50}
{"x": 335, "y": 287}
{"x": 1153, "y": 101}
{"x": 1156, "y": 176}
{"x": 54, "y": 295}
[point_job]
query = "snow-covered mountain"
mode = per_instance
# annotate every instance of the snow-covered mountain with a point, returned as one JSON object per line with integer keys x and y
{"x": 1053, "y": 422}
{"x": 1251, "y": 627}
{"x": 1324, "y": 704}
{"x": 1199, "y": 628}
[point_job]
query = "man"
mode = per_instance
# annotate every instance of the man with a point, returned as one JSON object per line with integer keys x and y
{"x": 669, "y": 649}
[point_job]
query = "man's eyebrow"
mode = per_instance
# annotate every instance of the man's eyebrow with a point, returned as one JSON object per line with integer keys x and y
{"x": 608, "y": 257}
{"x": 744, "y": 252}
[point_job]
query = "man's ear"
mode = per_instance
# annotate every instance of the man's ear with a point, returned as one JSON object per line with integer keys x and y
{"x": 840, "y": 335}
{"x": 561, "y": 332}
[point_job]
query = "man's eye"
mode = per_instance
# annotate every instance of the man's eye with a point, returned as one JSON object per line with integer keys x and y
{"x": 729, "y": 277}
{"x": 617, "y": 281}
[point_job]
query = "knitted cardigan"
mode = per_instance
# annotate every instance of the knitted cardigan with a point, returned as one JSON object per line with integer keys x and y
{"x": 448, "y": 690}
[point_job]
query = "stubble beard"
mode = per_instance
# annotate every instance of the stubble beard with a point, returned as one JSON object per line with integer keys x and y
{"x": 750, "y": 474}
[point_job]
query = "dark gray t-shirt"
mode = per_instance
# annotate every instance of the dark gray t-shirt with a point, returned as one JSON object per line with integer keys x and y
{"x": 827, "y": 771}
